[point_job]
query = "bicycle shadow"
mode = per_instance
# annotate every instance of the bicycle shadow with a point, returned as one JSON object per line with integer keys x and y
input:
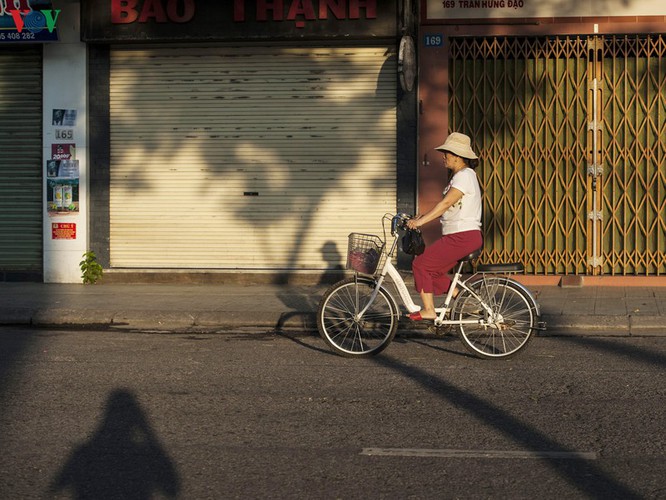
{"x": 302, "y": 302}
{"x": 123, "y": 459}
{"x": 296, "y": 340}
{"x": 442, "y": 343}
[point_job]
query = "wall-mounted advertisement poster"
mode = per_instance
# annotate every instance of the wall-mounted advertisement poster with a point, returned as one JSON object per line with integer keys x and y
{"x": 62, "y": 186}
{"x": 64, "y": 117}
{"x": 63, "y": 151}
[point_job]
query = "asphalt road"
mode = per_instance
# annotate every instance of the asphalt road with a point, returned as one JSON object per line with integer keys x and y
{"x": 130, "y": 415}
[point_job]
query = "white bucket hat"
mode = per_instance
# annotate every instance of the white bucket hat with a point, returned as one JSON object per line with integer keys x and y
{"x": 458, "y": 144}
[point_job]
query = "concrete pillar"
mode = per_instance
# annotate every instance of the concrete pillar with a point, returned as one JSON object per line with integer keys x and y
{"x": 65, "y": 88}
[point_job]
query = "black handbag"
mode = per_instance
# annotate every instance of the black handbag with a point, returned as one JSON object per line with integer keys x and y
{"x": 412, "y": 242}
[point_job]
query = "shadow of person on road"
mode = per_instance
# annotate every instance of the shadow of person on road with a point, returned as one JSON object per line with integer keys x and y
{"x": 124, "y": 458}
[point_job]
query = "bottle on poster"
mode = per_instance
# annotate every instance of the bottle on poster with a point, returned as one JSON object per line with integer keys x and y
{"x": 57, "y": 196}
{"x": 67, "y": 196}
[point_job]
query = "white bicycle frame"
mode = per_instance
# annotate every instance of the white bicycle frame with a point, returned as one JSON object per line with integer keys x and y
{"x": 406, "y": 297}
{"x": 442, "y": 312}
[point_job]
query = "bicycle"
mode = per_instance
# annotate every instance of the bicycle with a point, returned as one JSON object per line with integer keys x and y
{"x": 496, "y": 316}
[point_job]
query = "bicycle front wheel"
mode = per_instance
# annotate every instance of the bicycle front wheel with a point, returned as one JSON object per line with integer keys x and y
{"x": 349, "y": 334}
{"x": 504, "y": 330}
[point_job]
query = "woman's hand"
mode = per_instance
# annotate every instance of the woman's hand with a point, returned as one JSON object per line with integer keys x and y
{"x": 413, "y": 223}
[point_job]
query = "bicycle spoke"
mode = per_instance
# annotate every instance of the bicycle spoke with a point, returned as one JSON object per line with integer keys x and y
{"x": 341, "y": 327}
{"x": 506, "y": 329}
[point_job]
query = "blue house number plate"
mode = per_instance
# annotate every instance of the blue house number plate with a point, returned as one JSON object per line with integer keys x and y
{"x": 433, "y": 40}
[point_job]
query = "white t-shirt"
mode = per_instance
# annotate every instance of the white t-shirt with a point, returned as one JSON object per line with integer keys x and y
{"x": 466, "y": 214}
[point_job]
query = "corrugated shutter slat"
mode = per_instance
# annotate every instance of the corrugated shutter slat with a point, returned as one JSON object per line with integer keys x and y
{"x": 249, "y": 158}
{"x": 21, "y": 158}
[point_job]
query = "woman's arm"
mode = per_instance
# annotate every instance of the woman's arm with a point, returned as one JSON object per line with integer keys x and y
{"x": 452, "y": 197}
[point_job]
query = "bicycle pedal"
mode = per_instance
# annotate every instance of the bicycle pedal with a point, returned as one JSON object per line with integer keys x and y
{"x": 440, "y": 331}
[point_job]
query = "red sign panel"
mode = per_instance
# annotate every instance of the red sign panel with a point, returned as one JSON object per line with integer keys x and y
{"x": 63, "y": 231}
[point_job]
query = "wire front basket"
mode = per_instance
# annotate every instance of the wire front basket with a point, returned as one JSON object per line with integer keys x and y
{"x": 364, "y": 252}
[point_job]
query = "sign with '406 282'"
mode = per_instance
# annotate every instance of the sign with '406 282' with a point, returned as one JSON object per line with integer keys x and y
{"x": 28, "y": 21}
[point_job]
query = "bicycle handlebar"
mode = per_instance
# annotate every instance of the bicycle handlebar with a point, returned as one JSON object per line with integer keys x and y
{"x": 399, "y": 221}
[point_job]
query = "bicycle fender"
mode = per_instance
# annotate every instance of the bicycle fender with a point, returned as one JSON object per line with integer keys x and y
{"x": 527, "y": 292}
{"x": 515, "y": 284}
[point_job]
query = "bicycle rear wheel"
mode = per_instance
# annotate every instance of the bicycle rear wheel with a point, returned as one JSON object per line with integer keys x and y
{"x": 505, "y": 331}
{"x": 347, "y": 334}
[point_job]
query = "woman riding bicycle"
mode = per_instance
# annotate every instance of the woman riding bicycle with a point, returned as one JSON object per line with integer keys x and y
{"x": 460, "y": 215}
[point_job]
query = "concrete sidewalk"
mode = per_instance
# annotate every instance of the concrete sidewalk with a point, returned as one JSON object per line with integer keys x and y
{"x": 624, "y": 311}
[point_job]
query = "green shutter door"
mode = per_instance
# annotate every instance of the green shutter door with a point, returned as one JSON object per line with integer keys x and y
{"x": 20, "y": 160}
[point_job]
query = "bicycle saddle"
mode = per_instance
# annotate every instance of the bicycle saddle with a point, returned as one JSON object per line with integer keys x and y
{"x": 514, "y": 267}
{"x": 473, "y": 256}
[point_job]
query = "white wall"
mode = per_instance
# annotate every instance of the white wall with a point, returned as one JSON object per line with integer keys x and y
{"x": 65, "y": 87}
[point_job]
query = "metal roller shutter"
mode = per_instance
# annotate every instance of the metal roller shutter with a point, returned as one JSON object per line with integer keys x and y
{"x": 249, "y": 158}
{"x": 21, "y": 159}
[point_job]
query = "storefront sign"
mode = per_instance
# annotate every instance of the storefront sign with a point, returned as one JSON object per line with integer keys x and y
{"x": 118, "y": 20}
{"x": 28, "y": 21}
{"x": 63, "y": 231}
{"x": 495, "y": 9}
{"x": 132, "y": 11}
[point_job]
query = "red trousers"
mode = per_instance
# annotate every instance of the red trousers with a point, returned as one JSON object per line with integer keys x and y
{"x": 431, "y": 267}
